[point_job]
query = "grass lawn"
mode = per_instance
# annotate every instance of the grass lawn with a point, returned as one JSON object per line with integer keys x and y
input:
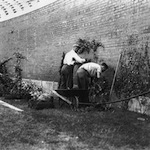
{"x": 63, "y": 129}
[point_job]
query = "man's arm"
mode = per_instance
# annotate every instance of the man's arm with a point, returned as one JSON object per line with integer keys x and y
{"x": 99, "y": 70}
{"x": 98, "y": 74}
{"x": 78, "y": 59}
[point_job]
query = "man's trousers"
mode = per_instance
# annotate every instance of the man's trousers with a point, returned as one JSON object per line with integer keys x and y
{"x": 82, "y": 79}
{"x": 66, "y": 77}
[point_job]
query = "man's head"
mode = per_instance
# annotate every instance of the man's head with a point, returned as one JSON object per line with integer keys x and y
{"x": 104, "y": 67}
{"x": 76, "y": 47}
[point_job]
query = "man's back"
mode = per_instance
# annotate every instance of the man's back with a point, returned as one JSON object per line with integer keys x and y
{"x": 92, "y": 68}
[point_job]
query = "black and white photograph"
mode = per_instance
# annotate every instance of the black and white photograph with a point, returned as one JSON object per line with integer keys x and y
{"x": 74, "y": 74}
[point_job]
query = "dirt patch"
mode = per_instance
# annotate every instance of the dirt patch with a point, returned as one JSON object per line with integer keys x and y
{"x": 63, "y": 129}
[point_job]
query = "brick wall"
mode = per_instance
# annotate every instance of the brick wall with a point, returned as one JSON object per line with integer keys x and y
{"x": 44, "y": 34}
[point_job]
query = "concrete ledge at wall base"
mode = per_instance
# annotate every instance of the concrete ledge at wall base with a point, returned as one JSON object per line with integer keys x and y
{"x": 47, "y": 86}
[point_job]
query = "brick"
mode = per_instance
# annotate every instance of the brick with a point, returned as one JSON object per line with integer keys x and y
{"x": 44, "y": 34}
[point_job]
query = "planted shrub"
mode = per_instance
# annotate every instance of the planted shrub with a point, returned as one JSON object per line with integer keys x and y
{"x": 133, "y": 76}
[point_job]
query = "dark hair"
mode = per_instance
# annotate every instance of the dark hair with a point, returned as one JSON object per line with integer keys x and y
{"x": 105, "y": 66}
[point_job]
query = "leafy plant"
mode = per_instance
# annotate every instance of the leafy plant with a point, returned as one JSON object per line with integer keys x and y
{"x": 87, "y": 46}
{"x": 12, "y": 85}
{"x": 99, "y": 90}
{"x": 30, "y": 90}
{"x": 5, "y": 80}
{"x": 17, "y": 83}
{"x": 133, "y": 75}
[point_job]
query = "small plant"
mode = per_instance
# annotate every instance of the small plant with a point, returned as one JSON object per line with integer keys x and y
{"x": 84, "y": 46}
{"x": 87, "y": 46}
{"x": 99, "y": 90}
{"x": 95, "y": 45}
{"x": 30, "y": 90}
{"x": 16, "y": 89}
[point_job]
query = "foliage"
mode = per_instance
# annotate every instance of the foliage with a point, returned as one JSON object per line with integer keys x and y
{"x": 5, "y": 80}
{"x": 133, "y": 75}
{"x": 99, "y": 90}
{"x": 30, "y": 90}
{"x": 18, "y": 71}
{"x": 3, "y": 68}
{"x": 15, "y": 86}
{"x": 12, "y": 85}
{"x": 87, "y": 46}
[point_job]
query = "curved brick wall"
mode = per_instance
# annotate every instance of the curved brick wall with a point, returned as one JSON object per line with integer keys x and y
{"x": 44, "y": 34}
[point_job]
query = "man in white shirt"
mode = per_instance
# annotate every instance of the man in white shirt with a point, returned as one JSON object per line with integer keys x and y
{"x": 88, "y": 71}
{"x": 67, "y": 69}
